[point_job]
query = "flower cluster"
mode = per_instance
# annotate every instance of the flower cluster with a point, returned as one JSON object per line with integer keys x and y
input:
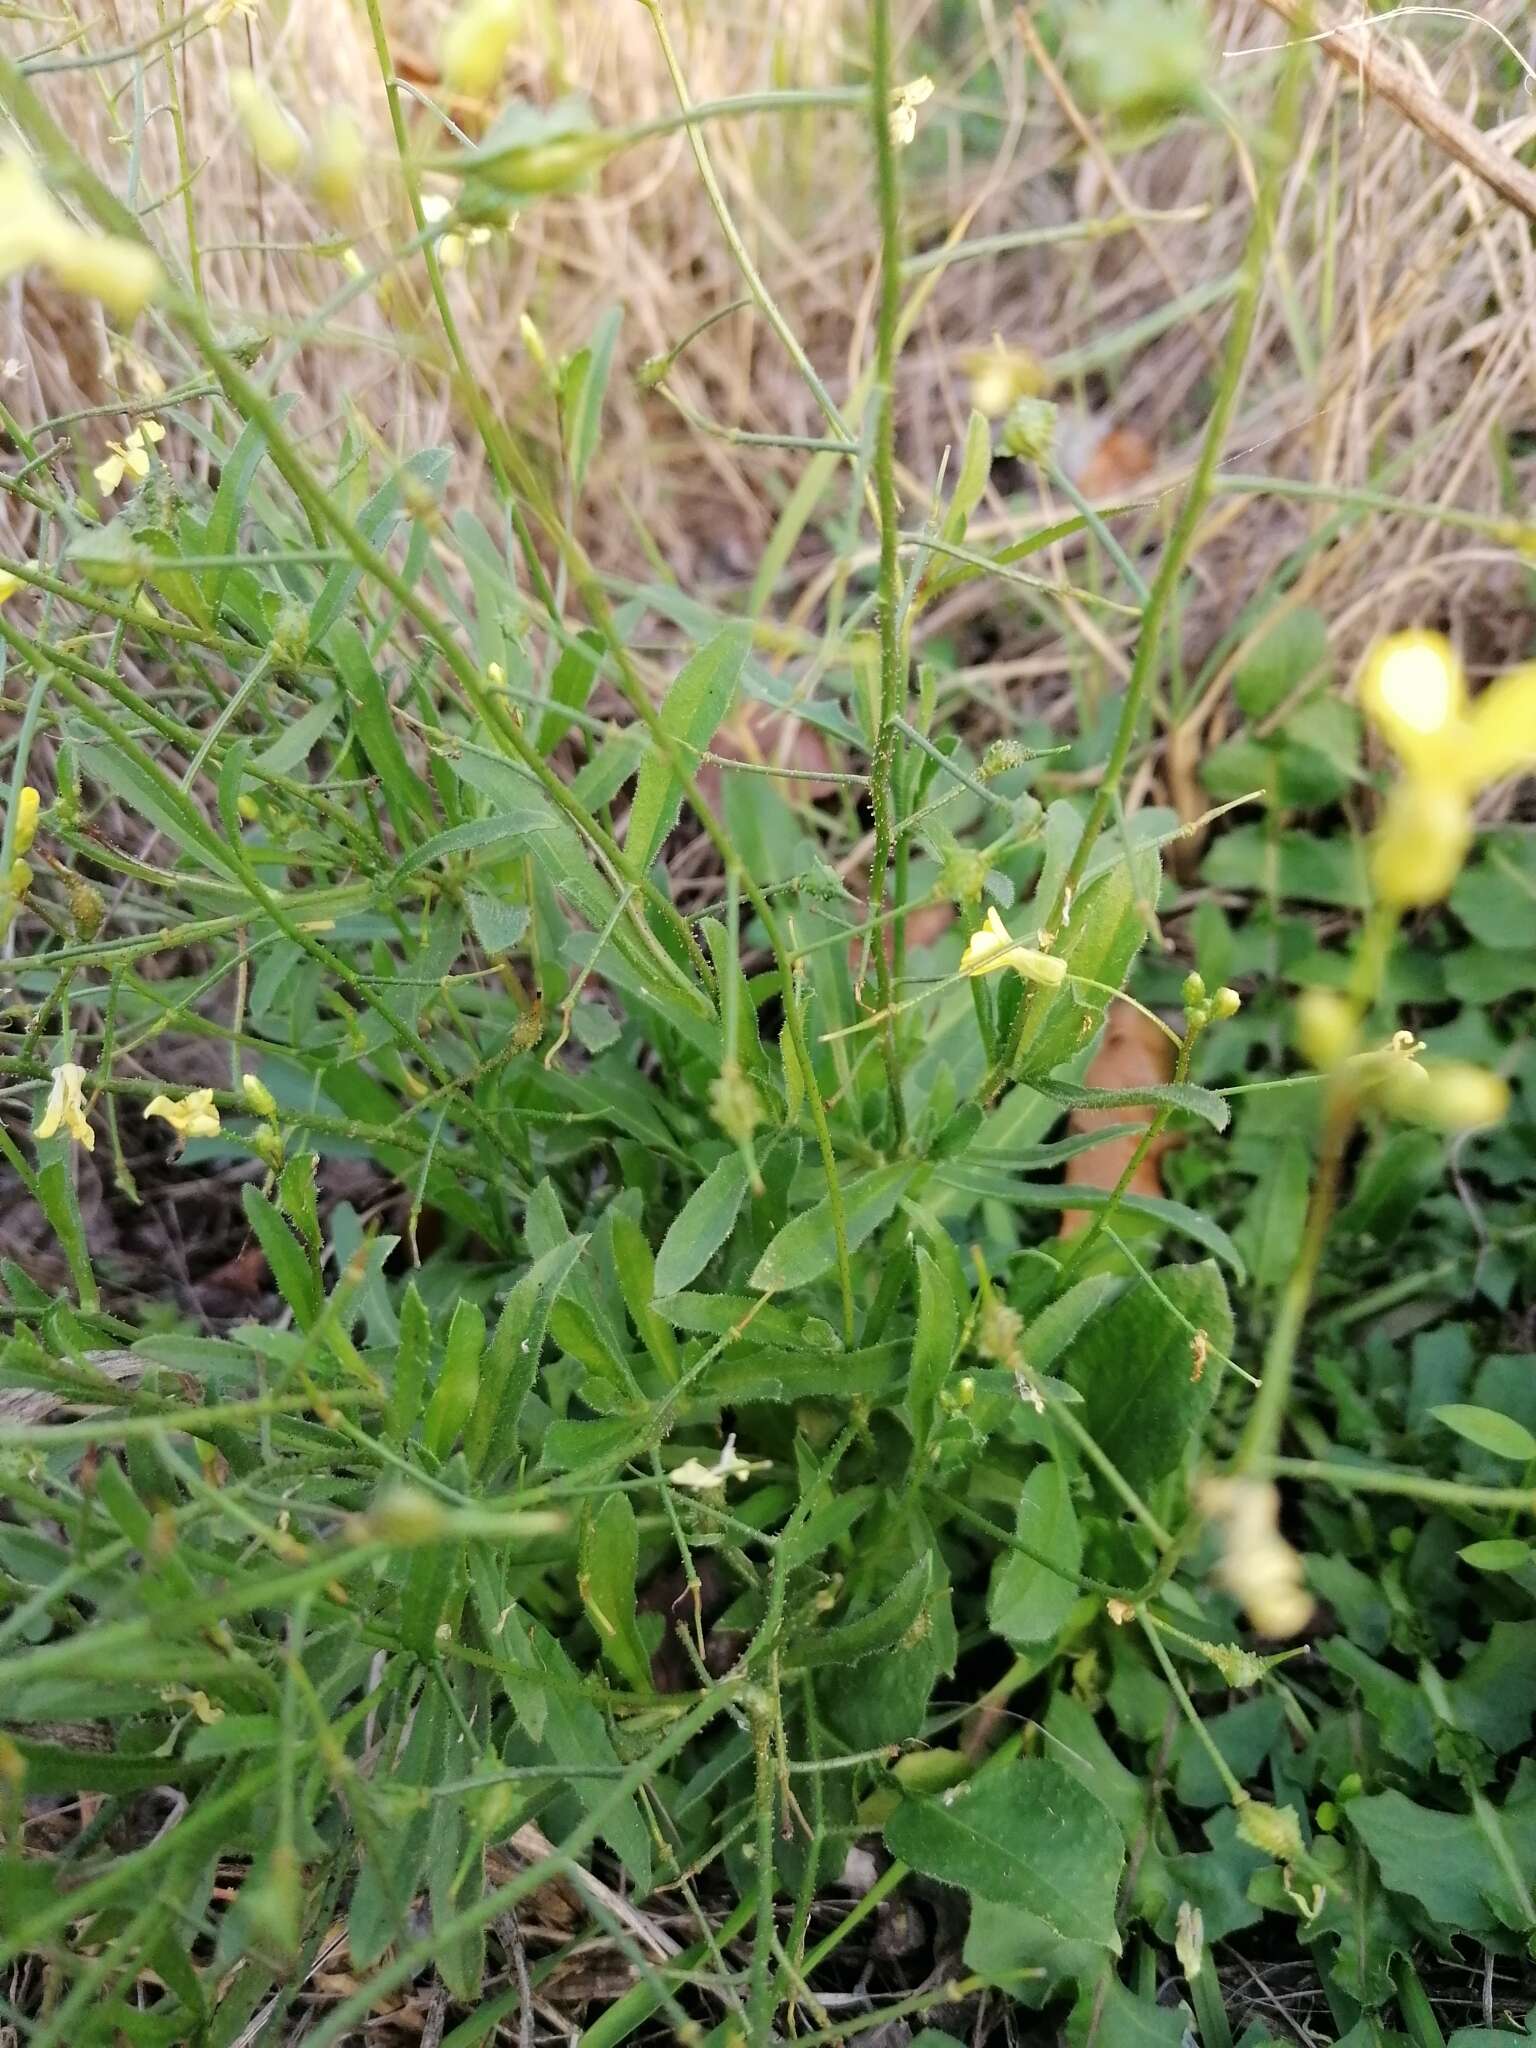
{"x": 130, "y": 457}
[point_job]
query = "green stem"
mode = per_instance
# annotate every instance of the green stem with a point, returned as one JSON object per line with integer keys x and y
{"x": 893, "y": 679}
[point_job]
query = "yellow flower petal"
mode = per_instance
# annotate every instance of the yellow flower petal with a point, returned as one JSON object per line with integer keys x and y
{"x": 195, "y": 1116}
{"x": 1412, "y": 691}
{"x": 110, "y": 472}
{"x": 125, "y": 275}
{"x": 9, "y": 585}
{"x": 1501, "y": 736}
{"x": 65, "y": 1107}
{"x": 275, "y": 137}
{"x": 1421, "y": 843}
{"x": 991, "y": 948}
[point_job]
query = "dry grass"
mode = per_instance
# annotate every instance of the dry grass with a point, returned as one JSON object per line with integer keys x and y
{"x": 1394, "y": 347}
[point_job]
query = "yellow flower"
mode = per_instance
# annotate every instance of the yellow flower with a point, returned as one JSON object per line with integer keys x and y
{"x": 1257, "y": 1566}
{"x": 452, "y": 247}
{"x": 1326, "y": 1028}
{"x": 31, "y": 221}
{"x": 337, "y": 161}
{"x": 34, "y": 228}
{"x": 1414, "y": 693}
{"x": 905, "y": 101}
{"x": 275, "y": 137}
{"x": 1452, "y": 1095}
{"x": 1001, "y": 376}
{"x": 125, "y": 275}
{"x": 66, "y": 1107}
{"x": 475, "y": 44}
{"x": 193, "y": 1117}
{"x": 9, "y": 585}
{"x": 704, "y": 1478}
{"x": 130, "y": 457}
{"x": 991, "y": 948}
{"x": 28, "y": 804}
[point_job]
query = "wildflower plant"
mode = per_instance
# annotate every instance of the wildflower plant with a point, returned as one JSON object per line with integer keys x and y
{"x": 699, "y": 1399}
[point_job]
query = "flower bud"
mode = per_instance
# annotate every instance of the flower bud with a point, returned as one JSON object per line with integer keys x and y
{"x": 86, "y": 908}
{"x": 258, "y": 1095}
{"x": 1029, "y": 432}
{"x": 1226, "y": 1003}
{"x": 734, "y": 1104}
{"x": 1193, "y": 991}
{"x": 28, "y": 805}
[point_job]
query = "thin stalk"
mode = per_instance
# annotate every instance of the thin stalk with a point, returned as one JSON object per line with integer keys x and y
{"x": 1149, "y": 642}
{"x": 728, "y": 228}
{"x": 893, "y": 677}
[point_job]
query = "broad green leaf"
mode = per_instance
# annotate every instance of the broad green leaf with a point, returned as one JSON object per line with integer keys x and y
{"x": 610, "y": 1548}
{"x": 497, "y": 925}
{"x": 569, "y": 688}
{"x": 508, "y": 830}
{"x": 1146, "y": 1386}
{"x": 1109, "y": 2015}
{"x": 702, "y": 1225}
{"x": 1489, "y": 1430}
{"x": 1029, "y": 1600}
{"x": 1493, "y": 1696}
{"x": 1023, "y": 1833}
{"x": 1445, "y": 1861}
{"x": 1291, "y": 654}
{"x": 698, "y": 700}
{"x": 807, "y": 1245}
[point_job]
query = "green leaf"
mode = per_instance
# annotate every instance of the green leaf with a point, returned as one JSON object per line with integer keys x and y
{"x": 1444, "y": 1861}
{"x": 458, "y": 1384}
{"x": 236, "y": 475}
{"x": 1145, "y": 1392}
{"x": 698, "y": 700}
{"x": 807, "y": 1247}
{"x": 508, "y": 830}
{"x": 975, "y": 471}
{"x": 702, "y": 1225}
{"x": 1049, "y": 1334}
{"x": 499, "y": 926}
{"x": 581, "y": 398}
{"x": 1497, "y": 1554}
{"x": 877, "y": 1630}
{"x": 406, "y": 795}
{"x": 1489, "y": 1430}
{"x": 1021, "y": 1834}
{"x": 1184, "y": 1095}
{"x": 1029, "y": 1601}
{"x": 296, "y": 1279}
{"x": 1493, "y": 1696}
{"x": 1109, "y": 923}
{"x": 609, "y": 1552}
{"x": 1292, "y": 654}
{"x": 1270, "y": 1230}
{"x": 569, "y": 688}
{"x": 933, "y": 1347}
